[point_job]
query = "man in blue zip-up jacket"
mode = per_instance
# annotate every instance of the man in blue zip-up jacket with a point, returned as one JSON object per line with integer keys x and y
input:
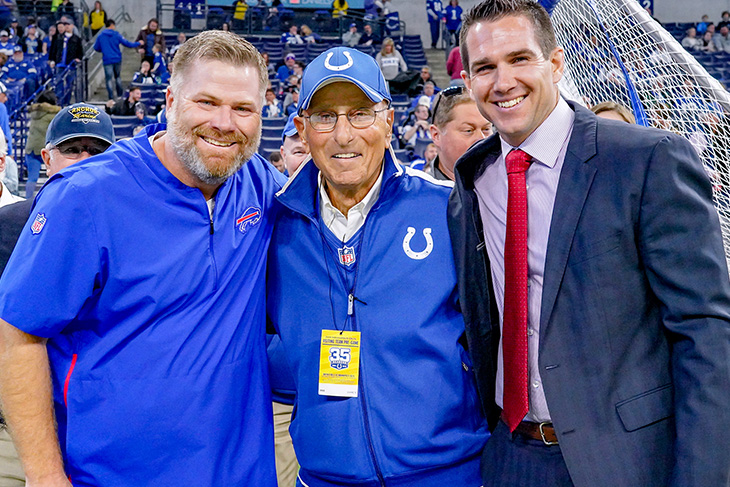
{"x": 148, "y": 366}
{"x": 385, "y": 394}
{"x": 107, "y": 43}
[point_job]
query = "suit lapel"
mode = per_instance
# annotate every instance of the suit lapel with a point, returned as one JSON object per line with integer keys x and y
{"x": 575, "y": 181}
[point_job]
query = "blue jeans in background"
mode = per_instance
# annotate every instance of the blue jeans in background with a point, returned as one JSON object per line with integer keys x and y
{"x": 33, "y": 163}
{"x": 113, "y": 74}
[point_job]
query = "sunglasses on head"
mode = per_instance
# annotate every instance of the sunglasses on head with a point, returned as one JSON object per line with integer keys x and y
{"x": 450, "y": 91}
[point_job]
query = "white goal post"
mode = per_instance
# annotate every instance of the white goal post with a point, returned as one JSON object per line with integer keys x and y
{"x": 615, "y": 51}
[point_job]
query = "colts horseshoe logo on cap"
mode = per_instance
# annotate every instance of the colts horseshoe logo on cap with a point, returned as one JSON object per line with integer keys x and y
{"x": 407, "y": 244}
{"x": 341, "y": 67}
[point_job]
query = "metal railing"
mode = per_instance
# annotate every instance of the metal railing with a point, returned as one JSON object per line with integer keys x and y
{"x": 259, "y": 21}
{"x": 67, "y": 83}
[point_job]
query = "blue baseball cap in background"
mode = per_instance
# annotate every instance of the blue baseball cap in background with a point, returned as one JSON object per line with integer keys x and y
{"x": 343, "y": 64}
{"x": 80, "y": 120}
{"x": 289, "y": 129}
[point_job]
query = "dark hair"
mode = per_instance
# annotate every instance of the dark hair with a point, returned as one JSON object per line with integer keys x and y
{"x": 274, "y": 157}
{"x": 493, "y": 10}
{"x": 47, "y": 96}
{"x": 109, "y": 22}
{"x": 132, "y": 87}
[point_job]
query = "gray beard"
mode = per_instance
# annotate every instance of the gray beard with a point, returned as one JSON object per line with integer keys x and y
{"x": 184, "y": 146}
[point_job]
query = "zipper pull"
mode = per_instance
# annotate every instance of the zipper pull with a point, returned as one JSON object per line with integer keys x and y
{"x": 350, "y": 304}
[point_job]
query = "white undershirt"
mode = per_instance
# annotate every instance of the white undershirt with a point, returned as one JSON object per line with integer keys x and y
{"x": 342, "y": 226}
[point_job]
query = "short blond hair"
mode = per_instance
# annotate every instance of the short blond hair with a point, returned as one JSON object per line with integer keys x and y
{"x": 610, "y": 106}
{"x": 218, "y": 45}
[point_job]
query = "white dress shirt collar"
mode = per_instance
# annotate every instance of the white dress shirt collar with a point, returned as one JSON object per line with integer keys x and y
{"x": 6, "y": 197}
{"x": 342, "y": 226}
{"x": 545, "y": 143}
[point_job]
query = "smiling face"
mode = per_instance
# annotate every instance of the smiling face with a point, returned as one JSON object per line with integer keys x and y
{"x": 350, "y": 159}
{"x": 135, "y": 94}
{"x": 512, "y": 81}
{"x": 214, "y": 122}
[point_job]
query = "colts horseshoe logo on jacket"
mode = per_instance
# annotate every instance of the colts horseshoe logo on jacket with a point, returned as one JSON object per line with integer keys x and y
{"x": 407, "y": 244}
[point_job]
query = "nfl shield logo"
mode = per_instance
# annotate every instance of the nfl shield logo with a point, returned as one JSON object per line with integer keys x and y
{"x": 347, "y": 255}
{"x": 38, "y": 223}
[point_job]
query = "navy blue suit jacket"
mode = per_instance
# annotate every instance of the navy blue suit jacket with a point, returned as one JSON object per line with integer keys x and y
{"x": 635, "y": 322}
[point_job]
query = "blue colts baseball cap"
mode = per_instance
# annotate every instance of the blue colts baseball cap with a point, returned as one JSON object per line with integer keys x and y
{"x": 80, "y": 120}
{"x": 343, "y": 64}
{"x": 290, "y": 129}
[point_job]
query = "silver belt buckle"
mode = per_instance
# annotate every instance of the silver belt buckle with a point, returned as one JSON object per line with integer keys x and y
{"x": 542, "y": 433}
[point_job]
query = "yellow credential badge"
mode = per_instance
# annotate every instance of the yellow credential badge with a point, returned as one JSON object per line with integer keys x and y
{"x": 339, "y": 363}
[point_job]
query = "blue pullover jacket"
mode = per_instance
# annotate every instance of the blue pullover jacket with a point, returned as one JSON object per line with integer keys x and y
{"x": 107, "y": 43}
{"x": 416, "y": 420}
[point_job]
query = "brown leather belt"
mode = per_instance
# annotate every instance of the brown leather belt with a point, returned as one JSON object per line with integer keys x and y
{"x": 538, "y": 431}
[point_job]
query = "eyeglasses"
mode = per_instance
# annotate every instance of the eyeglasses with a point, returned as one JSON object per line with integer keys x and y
{"x": 76, "y": 150}
{"x": 450, "y": 91}
{"x": 359, "y": 118}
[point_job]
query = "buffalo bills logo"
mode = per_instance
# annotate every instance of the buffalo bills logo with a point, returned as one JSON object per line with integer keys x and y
{"x": 38, "y": 224}
{"x": 347, "y": 255}
{"x": 250, "y": 217}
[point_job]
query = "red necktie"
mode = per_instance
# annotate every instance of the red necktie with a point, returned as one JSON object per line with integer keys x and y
{"x": 514, "y": 328}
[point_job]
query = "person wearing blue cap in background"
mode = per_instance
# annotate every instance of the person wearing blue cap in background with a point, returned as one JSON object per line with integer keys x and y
{"x": 19, "y": 69}
{"x": 286, "y": 69}
{"x": 385, "y": 394}
{"x": 294, "y": 150}
{"x": 149, "y": 352}
{"x": 352, "y": 36}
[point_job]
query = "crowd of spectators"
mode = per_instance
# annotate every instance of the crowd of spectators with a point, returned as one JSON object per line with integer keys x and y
{"x": 63, "y": 42}
{"x": 706, "y": 36}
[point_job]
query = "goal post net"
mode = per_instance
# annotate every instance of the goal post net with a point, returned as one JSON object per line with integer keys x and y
{"x": 615, "y": 51}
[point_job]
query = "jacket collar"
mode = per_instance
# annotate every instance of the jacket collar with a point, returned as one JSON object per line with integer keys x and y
{"x": 575, "y": 181}
{"x": 480, "y": 155}
{"x": 300, "y": 193}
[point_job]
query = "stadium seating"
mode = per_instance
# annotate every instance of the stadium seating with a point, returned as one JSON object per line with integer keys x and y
{"x": 123, "y": 126}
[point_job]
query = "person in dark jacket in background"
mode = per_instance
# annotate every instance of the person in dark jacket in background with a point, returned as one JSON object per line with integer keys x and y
{"x": 66, "y": 46}
{"x": 151, "y": 35}
{"x": 126, "y": 106}
{"x": 108, "y": 45}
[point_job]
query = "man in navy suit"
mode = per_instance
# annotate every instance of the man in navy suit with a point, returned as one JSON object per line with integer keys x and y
{"x": 592, "y": 279}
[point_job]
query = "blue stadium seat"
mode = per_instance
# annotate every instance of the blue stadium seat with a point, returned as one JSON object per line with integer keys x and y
{"x": 123, "y": 126}
{"x": 421, "y": 144}
{"x": 402, "y": 156}
{"x": 271, "y": 132}
{"x": 271, "y": 122}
